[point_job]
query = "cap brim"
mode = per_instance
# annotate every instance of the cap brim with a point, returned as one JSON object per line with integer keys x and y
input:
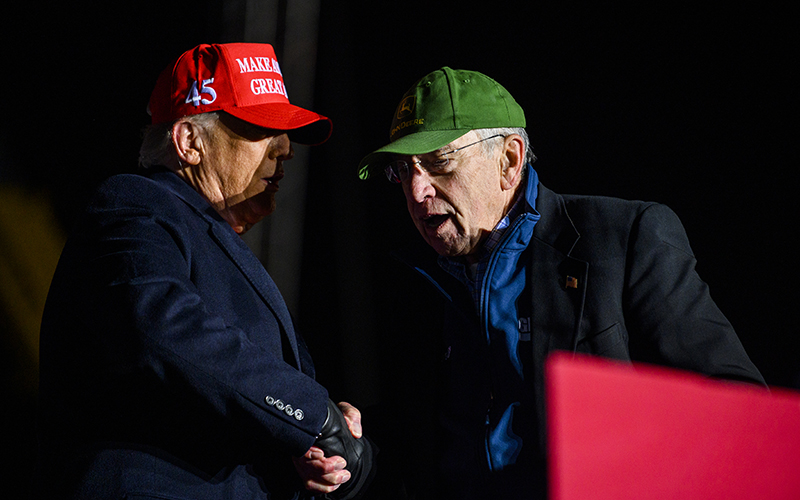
{"x": 302, "y": 125}
{"x": 412, "y": 144}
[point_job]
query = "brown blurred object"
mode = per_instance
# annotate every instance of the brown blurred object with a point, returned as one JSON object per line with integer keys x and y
{"x": 30, "y": 244}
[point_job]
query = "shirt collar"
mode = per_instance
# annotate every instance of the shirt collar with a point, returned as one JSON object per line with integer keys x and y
{"x": 526, "y": 200}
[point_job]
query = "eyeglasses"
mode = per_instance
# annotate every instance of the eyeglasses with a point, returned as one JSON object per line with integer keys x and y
{"x": 398, "y": 170}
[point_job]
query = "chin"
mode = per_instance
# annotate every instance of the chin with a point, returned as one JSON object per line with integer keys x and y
{"x": 260, "y": 207}
{"x": 444, "y": 249}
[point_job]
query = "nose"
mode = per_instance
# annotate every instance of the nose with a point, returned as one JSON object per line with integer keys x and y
{"x": 282, "y": 149}
{"x": 418, "y": 186}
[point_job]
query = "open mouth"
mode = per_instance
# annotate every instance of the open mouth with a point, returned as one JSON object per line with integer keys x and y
{"x": 435, "y": 220}
{"x": 274, "y": 180}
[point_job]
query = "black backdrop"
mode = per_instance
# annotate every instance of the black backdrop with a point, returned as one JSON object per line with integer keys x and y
{"x": 677, "y": 102}
{"x": 684, "y": 103}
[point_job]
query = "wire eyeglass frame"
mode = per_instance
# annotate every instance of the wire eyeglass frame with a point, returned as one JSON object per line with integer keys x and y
{"x": 397, "y": 171}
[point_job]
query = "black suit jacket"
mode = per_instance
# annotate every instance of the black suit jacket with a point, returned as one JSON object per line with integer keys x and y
{"x": 170, "y": 366}
{"x": 617, "y": 278}
{"x": 607, "y": 277}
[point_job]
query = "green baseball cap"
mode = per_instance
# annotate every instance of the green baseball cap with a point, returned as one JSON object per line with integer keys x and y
{"x": 440, "y": 108}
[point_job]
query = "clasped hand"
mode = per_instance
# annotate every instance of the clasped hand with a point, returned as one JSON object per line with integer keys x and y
{"x": 325, "y": 474}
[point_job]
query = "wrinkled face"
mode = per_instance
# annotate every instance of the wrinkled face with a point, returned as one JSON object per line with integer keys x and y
{"x": 241, "y": 167}
{"x": 455, "y": 208}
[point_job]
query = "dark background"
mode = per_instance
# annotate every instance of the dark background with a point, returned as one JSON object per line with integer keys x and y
{"x": 680, "y": 102}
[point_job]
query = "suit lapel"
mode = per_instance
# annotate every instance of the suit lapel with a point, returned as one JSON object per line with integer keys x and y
{"x": 258, "y": 277}
{"x": 558, "y": 284}
{"x": 558, "y": 281}
{"x": 239, "y": 253}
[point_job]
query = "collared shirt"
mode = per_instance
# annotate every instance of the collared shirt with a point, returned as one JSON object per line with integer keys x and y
{"x": 495, "y": 283}
{"x": 472, "y": 274}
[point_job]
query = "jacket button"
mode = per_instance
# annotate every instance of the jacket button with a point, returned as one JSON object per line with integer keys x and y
{"x": 298, "y": 414}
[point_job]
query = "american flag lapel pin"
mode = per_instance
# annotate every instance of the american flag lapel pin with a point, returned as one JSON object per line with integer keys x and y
{"x": 572, "y": 282}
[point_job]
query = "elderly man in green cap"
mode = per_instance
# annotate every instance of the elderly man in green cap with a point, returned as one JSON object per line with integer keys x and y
{"x": 523, "y": 271}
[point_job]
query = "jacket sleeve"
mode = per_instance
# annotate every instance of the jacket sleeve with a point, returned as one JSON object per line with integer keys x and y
{"x": 168, "y": 329}
{"x": 670, "y": 310}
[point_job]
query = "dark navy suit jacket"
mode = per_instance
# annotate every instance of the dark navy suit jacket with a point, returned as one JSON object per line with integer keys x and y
{"x": 170, "y": 366}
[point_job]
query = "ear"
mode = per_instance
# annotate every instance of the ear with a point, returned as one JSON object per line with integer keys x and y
{"x": 188, "y": 142}
{"x": 512, "y": 162}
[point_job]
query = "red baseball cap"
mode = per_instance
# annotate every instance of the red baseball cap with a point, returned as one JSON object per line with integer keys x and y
{"x": 242, "y": 79}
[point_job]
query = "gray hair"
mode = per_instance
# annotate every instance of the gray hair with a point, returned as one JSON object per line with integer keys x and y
{"x": 488, "y": 147}
{"x": 157, "y": 148}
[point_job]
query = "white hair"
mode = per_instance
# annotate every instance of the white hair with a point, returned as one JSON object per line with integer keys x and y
{"x": 488, "y": 146}
{"x": 157, "y": 148}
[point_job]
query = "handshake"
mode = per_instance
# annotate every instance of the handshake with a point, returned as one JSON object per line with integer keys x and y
{"x": 335, "y": 439}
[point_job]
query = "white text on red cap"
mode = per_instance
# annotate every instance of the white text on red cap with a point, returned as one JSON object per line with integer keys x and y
{"x": 253, "y": 64}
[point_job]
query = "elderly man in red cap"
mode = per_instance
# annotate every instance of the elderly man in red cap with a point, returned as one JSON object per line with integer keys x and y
{"x": 170, "y": 366}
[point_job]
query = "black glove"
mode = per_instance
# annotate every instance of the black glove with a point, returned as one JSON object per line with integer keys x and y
{"x": 335, "y": 439}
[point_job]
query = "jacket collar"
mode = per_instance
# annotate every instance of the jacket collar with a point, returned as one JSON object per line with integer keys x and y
{"x": 185, "y": 192}
{"x": 555, "y": 228}
{"x": 557, "y": 311}
{"x": 236, "y": 249}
